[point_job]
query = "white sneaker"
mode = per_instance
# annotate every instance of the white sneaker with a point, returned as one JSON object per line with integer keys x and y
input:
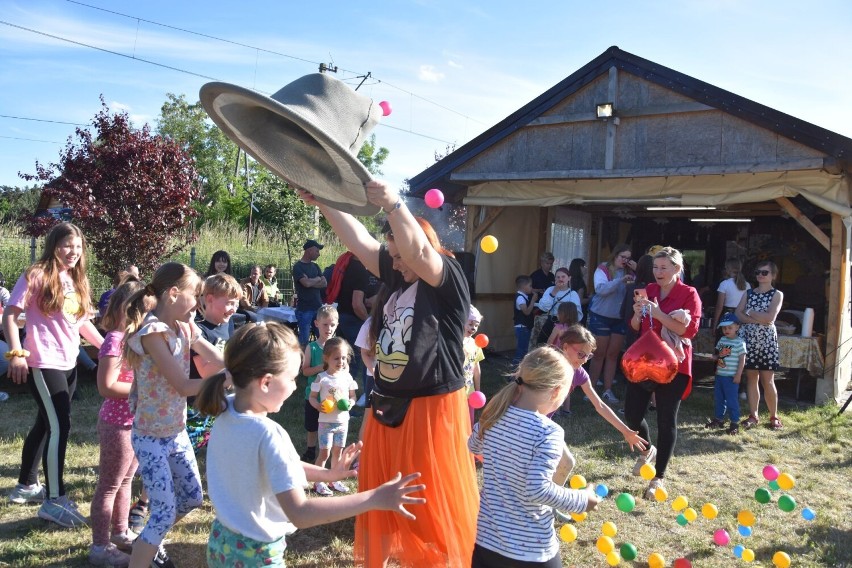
{"x": 108, "y": 555}
{"x": 124, "y": 541}
{"x": 322, "y": 489}
{"x": 609, "y": 398}
{"x": 23, "y": 494}
{"x": 647, "y": 457}
{"x": 651, "y": 492}
{"x": 62, "y": 511}
{"x": 339, "y": 487}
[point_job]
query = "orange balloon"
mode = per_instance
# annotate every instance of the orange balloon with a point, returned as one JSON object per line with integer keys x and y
{"x": 481, "y": 341}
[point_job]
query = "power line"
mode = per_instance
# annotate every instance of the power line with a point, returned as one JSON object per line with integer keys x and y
{"x": 31, "y": 140}
{"x": 271, "y": 52}
{"x": 41, "y": 120}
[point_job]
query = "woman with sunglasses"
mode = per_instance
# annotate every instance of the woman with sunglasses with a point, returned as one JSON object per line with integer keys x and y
{"x": 757, "y": 312}
{"x": 666, "y": 295}
{"x": 578, "y": 345}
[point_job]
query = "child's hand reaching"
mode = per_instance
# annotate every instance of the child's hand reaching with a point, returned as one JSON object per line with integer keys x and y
{"x": 634, "y": 440}
{"x": 394, "y": 495}
{"x": 342, "y": 469}
{"x": 594, "y": 499}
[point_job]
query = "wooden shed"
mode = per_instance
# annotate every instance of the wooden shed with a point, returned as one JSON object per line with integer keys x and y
{"x": 559, "y": 175}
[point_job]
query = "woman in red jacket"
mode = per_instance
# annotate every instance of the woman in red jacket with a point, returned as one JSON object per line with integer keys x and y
{"x": 667, "y": 303}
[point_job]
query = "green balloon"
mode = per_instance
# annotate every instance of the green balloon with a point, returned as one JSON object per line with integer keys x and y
{"x": 344, "y": 404}
{"x": 773, "y": 485}
{"x": 763, "y": 496}
{"x": 628, "y": 551}
{"x": 786, "y": 503}
{"x": 682, "y": 520}
{"x": 625, "y": 502}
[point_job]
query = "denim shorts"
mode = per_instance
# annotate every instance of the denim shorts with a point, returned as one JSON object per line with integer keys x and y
{"x": 602, "y": 326}
{"x": 332, "y": 434}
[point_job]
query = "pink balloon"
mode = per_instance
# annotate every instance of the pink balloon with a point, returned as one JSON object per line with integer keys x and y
{"x": 386, "y": 108}
{"x": 476, "y": 399}
{"x": 434, "y": 198}
{"x": 771, "y": 473}
{"x": 721, "y": 537}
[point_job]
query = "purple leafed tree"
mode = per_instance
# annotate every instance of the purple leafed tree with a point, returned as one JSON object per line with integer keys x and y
{"x": 130, "y": 192}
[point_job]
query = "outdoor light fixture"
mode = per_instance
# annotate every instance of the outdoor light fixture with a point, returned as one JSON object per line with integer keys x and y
{"x": 723, "y": 220}
{"x": 604, "y": 110}
{"x": 681, "y": 208}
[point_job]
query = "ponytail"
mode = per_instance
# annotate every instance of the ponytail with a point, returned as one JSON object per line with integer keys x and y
{"x": 211, "y": 398}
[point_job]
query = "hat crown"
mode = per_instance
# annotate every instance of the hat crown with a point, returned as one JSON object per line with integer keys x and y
{"x": 728, "y": 319}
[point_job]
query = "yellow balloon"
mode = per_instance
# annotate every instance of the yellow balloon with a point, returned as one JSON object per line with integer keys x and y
{"x": 579, "y": 517}
{"x": 326, "y": 406}
{"x": 568, "y": 533}
{"x": 690, "y": 514}
{"x": 748, "y": 555}
{"x": 605, "y": 545}
{"x": 648, "y": 472}
{"x": 488, "y": 244}
{"x": 609, "y": 528}
{"x": 656, "y": 560}
{"x": 612, "y": 558}
{"x": 680, "y": 503}
{"x": 745, "y": 518}
{"x": 709, "y": 511}
{"x": 577, "y": 482}
{"x": 781, "y": 559}
{"x": 786, "y": 481}
{"x": 661, "y": 494}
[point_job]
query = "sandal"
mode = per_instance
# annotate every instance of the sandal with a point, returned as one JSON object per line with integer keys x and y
{"x": 749, "y": 422}
{"x": 775, "y": 424}
{"x": 734, "y": 429}
{"x": 714, "y": 423}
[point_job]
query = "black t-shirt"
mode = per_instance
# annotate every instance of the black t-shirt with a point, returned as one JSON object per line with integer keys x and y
{"x": 355, "y": 278}
{"x": 419, "y": 349}
{"x": 216, "y": 335}
{"x": 542, "y": 281}
{"x": 309, "y": 299}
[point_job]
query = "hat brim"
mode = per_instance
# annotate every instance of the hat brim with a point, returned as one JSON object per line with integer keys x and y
{"x": 290, "y": 146}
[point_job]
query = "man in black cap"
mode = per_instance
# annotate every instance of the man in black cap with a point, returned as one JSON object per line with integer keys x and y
{"x": 309, "y": 280}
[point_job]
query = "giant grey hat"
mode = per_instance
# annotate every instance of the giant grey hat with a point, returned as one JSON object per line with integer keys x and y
{"x": 308, "y": 134}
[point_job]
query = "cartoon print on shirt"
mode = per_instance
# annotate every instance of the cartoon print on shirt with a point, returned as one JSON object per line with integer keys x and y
{"x": 391, "y": 353}
{"x": 71, "y": 306}
{"x": 723, "y": 352}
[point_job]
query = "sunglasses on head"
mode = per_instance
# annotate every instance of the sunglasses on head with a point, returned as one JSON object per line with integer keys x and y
{"x": 761, "y": 273}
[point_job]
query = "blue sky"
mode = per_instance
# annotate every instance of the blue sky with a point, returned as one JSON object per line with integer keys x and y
{"x": 449, "y": 69}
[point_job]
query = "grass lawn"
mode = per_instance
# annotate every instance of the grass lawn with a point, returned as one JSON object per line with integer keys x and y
{"x": 815, "y": 446}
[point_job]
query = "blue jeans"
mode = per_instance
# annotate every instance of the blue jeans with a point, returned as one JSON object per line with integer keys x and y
{"x": 522, "y": 336}
{"x": 305, "y": 321}
{"x": 725, "y": 397}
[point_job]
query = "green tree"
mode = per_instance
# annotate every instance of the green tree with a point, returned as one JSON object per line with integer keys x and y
{"x": 130, "y": 191}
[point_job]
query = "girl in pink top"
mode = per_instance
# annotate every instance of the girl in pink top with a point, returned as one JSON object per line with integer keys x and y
{"x": 111, "y": 502}
{"x": 158, "y": 349}
{"x": 54, "y": 296}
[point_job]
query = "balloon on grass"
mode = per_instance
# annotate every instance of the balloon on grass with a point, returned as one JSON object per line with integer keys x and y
{"x": 661, "y": 494}
{"x": 577, "y": 482}
{"x": 744, "y": 530}
{"x": 682, "y": 520}
{"x": 721, "y": 537}
{"x": 770, "y": 472}
{"x": 748, "y": 555}
{"x": 605, "y": 545}
{"x": 628, "y": 551}
{"x": 773, "y": 485}
{"x": 781, "y": 559}
{"x": 579, "y": 517}
{"x": 434, "y": 198}
{"x": 710, "y": 511}
{"x": 690, "y": 514}
{"x": 568, "y": 533}
{"x": 682, "y": 563}
{"x": 680, "y": 503}
{"x": 786, "y": 503}
{"x": 602, "y": 491}
{"x": 808, "y": 514}
{"x": 625, "y": 502}
{"x": 612, "y": 558}
{"x": 786, "y": 481}
{"x": 656, "y": 560}
{"x": 738, "y": 550}
{"x": 745, "y": 518}
{"x": 609, "y": 529}
{"x": 762, "y": 496}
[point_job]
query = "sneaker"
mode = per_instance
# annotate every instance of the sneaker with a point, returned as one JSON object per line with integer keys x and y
{"x": 23, "y": 494}
{"x": 715, "y": 423}
{"x": 647, "y": 457}
{"x": 321, "y": 488}
{"x": 124, "y": 541}
{"x": 63, "y": 512}
{"x": 108, "y": 555}
{"x": 599, "y": 383}
{"x": 651, "y": 492}
{"x": 734, "y": 428}
{"x": 609, "y": 398}
{"x": 161, "y": 559}
{"x": 339, "y": 487}
{"x": 136, "y": 518}
{"x": 310, "y": 455}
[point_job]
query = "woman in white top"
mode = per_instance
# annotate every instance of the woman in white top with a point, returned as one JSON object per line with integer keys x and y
{"x": 549, "y": 304}
{"x": 730, "y": 291}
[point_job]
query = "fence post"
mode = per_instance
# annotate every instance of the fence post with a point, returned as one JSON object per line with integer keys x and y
{"x": 192, "y": 258}
{"x": 32, "y": 250}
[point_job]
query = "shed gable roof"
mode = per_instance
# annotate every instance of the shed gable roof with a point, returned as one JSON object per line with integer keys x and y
{"x": 830, "y": 143}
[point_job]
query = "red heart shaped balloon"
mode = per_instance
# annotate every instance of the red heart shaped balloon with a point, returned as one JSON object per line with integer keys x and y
{"x": 649, "y": 359}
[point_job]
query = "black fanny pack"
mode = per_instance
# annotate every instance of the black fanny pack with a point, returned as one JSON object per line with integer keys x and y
{"x": 389, "y": 410}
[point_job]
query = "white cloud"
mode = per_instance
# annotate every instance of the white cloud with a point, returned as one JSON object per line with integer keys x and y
{"x": 455, "y": 65}
{"x": 429, "y": 74}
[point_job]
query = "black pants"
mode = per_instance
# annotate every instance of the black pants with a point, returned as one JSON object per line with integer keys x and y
{"x": 52, "y": 390}
{"x": 636, "y": 400}
{"x": 484, "y": 558}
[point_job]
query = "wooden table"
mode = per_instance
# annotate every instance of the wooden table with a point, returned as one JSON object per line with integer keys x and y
{"x": 796, "y": 352}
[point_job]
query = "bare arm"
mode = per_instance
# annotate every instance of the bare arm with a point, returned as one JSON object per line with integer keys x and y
{"x": 740, "y": 366}
{"x": 91, "y": 333}
{"x": 632, "y": 437}
{"x": 156, "y": 346}
{"x": 358, "y": 305}
{"x": 528, "y": 307}
{"x": 18, "y": 367}
{"x": 477, "y": 374}
{"x": 307, "y": 369}
{"x": 109, "y": 386}
{"x": 768, "y": 317}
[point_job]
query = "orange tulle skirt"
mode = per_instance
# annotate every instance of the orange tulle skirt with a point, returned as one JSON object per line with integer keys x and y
{"x": 433, "y": 441}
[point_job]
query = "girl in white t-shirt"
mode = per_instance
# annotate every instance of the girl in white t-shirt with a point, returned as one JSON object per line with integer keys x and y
{"x": 55, "y": 297}
{"x": 333, "y": 394}
{"x": 157, "y": 347}
{"x": 730, "y": 291}
{"x": 254, "y": 477}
